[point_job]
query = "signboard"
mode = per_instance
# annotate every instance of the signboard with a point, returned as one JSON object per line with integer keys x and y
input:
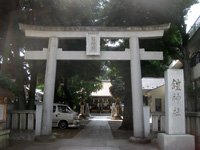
{"x": 93, "y": 43}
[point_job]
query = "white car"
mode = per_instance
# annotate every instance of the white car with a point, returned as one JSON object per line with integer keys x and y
{"x": 64, "y": 116}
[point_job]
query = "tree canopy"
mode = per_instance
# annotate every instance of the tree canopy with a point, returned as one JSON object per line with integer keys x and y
{"x": 89, "y": 13}
{"x": 174, "y": 44}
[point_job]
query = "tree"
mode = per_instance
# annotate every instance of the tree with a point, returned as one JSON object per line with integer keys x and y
{"x": 117, "y": 89}
{"x": 7, "y": 84}
{"x": 174, "y": 43}
{"x": 176, "y": 40}
{"x": 91, "y": 12}
{"x": 71, "y": 13}
{"x": 78, "y": 80}
{"x": 11, "y": 47}
{"x": 120, "y": 71}
{"x": 62, "y": 13}
{"x": 80, "y": 88}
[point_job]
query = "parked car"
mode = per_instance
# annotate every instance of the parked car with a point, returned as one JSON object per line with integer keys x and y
{"x": 64, "y": 116}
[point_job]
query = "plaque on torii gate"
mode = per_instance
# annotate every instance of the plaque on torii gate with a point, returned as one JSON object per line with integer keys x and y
{"x": 93, "y": 35}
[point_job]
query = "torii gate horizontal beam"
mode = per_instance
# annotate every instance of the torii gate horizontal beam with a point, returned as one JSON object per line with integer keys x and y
{"x": 81, "y": 55}
{"x": 106, "y": 35}
{"x": 105, "y": 32}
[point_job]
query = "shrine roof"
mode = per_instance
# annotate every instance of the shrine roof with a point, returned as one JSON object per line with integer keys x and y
{"x": 152, "y": 83}
{"x": 104, "y": 91}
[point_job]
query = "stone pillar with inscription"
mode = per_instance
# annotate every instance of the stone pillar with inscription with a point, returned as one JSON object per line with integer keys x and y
{"x": 175, "y": 114}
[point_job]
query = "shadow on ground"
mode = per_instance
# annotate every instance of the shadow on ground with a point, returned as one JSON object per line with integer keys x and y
{"x": 69, "y": 132}
{"x": 72, "y": 132}
{"x": 119, "y": 133}
{"x": 59, "y": 133}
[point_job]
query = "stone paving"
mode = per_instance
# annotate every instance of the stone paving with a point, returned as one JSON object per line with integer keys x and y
{"x": 95, "y": 136}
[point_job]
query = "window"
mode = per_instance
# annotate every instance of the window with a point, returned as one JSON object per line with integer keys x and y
{"x": 158, "y": 104}
{"x": 54, "y": 108}
{"x": 195, "y": 59}
{"x": 145, "y": 100}
{"x": 64, "y": 109}
{"x": 197, "y": 83}
{"x": 68, "y": 108}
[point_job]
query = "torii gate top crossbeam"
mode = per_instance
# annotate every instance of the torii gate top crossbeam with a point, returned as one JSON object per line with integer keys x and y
{"x": 93, "y": 34}
{"x": 105, "y": 32}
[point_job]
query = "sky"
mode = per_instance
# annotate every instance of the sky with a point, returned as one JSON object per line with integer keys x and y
{"x": 193, "y": 14}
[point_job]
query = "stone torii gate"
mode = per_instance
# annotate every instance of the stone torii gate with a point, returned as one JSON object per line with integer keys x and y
{"x": 93, "y": 34}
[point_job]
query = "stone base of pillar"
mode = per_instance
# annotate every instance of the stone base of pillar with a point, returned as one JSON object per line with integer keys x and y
{"x": 87, "y": 114}
{"x": 118, "y": 117}
{"x": 175, "y": 142}
{"x": 82, "y": 117}
{"x": 4, "y": 138}
{"x": 140, "y": 140}
{"x": 45, "y": 138}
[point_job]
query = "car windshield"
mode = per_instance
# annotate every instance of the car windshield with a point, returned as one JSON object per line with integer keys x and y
{"x": 69, "y": 108}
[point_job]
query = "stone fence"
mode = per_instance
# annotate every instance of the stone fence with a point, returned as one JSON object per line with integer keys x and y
{"x": 20, "y": 119}
{"x": 192, "y": 122}
{"x": 26, "y": 120}
{"x": 157, "y": 122}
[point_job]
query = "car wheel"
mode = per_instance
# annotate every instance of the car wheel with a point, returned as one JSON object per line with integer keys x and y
{"x": 63, "y": 124}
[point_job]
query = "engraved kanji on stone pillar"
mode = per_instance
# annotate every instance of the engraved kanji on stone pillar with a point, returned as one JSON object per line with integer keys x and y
{"x": 174, "y": 102}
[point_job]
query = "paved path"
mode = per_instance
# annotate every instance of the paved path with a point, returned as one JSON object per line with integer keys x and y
{"x": 95, "y": 136}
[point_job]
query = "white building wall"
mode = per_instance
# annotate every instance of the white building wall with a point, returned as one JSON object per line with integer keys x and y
{"x": 196, "y": 71}
{"x": 157, "y": 93}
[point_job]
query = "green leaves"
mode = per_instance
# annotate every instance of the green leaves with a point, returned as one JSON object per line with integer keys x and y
{"x": 8, "y": 84}
{"x": 78, "y": 86}
{"x": 118, "y": 89}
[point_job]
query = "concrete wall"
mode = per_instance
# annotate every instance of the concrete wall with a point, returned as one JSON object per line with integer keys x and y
{"x": 196, "y": 71}
{"x": 157, "y": 93}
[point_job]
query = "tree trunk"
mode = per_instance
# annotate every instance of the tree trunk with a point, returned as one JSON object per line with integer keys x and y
{"x": 189, "y": 101}
{"x": 12, "y": 43}
{"x": 9, "y": 34}
{"x": 20, "y": 83}
{"x": 33, "y": 84}
{"x": 56, "y": 99}
{"x": 68, "y": 96}
{"x": 127, "y": 123}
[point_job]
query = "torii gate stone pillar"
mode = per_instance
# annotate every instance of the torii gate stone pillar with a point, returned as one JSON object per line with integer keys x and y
{"x": 49, "y": 85}
{"x": 137, "y": 99}
{"x": 93, "y": 35}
